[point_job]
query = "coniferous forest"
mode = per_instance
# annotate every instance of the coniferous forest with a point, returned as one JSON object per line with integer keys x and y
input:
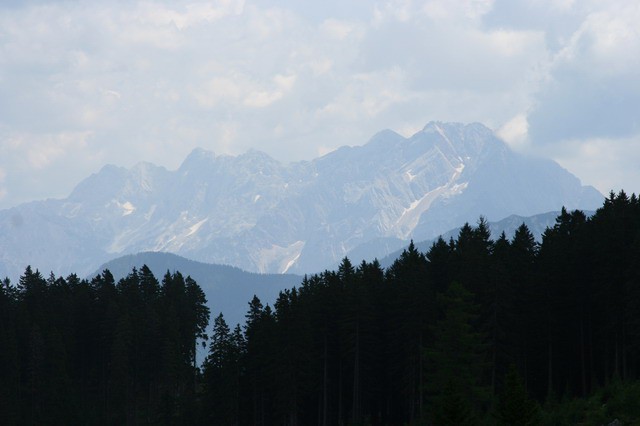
{"x": 475, "y": 331}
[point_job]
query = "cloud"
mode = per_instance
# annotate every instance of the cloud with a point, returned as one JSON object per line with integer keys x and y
{"x": 469, "y": 10}
{"x": 593, "y": 88}
{"x": 191, "y": 15}
{"x": 606, "y": 163}
{"x": 46, "y": 149}
{"x": 3, "y": 190}
{"x": 39, "y": 165}
{"x": 151, "y": 81}
{"x": 515, "y": 132}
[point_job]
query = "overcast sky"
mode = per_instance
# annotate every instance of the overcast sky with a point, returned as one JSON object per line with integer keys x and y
{"x": 83, "y": 84}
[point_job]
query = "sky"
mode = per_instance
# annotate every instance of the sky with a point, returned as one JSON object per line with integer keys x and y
{"x": 89, "y": 83}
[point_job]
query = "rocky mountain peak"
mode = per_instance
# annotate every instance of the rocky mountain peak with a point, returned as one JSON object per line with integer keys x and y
{"x": 253, "y": 212}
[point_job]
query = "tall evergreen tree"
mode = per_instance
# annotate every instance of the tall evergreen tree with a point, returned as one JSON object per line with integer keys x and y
{"x": 9, "y": 355}
{"x": 456, "y": 359}
{"x": 412, "y": 312}
{"x": 514, "y": 405}
{"x": 221, "y": 376}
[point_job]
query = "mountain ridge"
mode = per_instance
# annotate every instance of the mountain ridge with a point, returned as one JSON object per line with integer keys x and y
{"x": 254, "y": 212}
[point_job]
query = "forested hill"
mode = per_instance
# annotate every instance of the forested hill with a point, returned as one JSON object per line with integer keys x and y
{"x": 226, "y": 288}
{"x": 474, "y": 331}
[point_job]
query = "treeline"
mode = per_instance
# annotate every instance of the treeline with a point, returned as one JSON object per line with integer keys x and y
{"x": 475, "y": 331}
{"x": 77, "y": 352}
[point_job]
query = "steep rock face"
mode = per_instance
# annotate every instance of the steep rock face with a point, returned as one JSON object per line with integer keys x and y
{"x": 499, "y": 182}
{"x": 256, "y": 213}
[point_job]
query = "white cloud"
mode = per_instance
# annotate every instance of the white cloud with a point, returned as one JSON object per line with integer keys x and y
{"x": 49, "y": 148}
{"x": 42, "y": 150}
{"x": 457, "y": 10}
{"x": 192, "y": 14}
{"x": 337, "y": 29}
{"x": 592, "y": 87}
{"x": 285, "y": 82}
{"x": 82, "y": 83}
{"x": 515, "y": 132}
{"x": 40, "y": 165}
{"x": 607, "y": 164}
{"x": 3, "y": 190}
{"x": 605, "y": 41}
{"x": 218, "y": 90}
{"x": 513, "y": 43}
{"x": 398, "y": 10}
{"x": 261, "y": 99}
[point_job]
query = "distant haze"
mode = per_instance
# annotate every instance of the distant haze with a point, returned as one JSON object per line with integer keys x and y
{"x": 253, "y": 212}
{"x": 85, "y": 83}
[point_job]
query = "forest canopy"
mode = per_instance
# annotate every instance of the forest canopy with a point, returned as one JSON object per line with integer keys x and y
{"x": 474, "y": 331}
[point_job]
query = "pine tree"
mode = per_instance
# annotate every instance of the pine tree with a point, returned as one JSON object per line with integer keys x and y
{"x": 412, "y": 310}
{"x": 259, "y": 358}
{"x": 456, "y": 359}
{"x": 453, "y": 408}
{"x": 9, "y": 355}
{"x": 500, "y": 322}
{"x": 514, "y": 405}
{"x": 197, "y": 316}
{"x": 527, "y": 298}
{"x": 220, "y": 375}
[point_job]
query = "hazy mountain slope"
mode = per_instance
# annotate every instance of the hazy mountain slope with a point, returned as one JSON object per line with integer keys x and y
{"x": 256, "y": 213}
{"x": 228, "y": 289}
{"x": 503, "y": 183}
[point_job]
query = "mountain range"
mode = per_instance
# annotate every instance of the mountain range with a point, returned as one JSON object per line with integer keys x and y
{"x": 256, "y": 213}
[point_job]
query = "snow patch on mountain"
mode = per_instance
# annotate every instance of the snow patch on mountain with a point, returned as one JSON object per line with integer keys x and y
{"x": 71, "y": 210}
{"x": 408, "y": 220}
{"x": 194, "y": 228}
{"x": 282, "y": 257}
{"x": 179, "y": 233}
{"x": 291, "y": 263}
{"x": 410, "y": 217}
{"x": 127, "y": 208}
{"x": 409, "y": 175}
